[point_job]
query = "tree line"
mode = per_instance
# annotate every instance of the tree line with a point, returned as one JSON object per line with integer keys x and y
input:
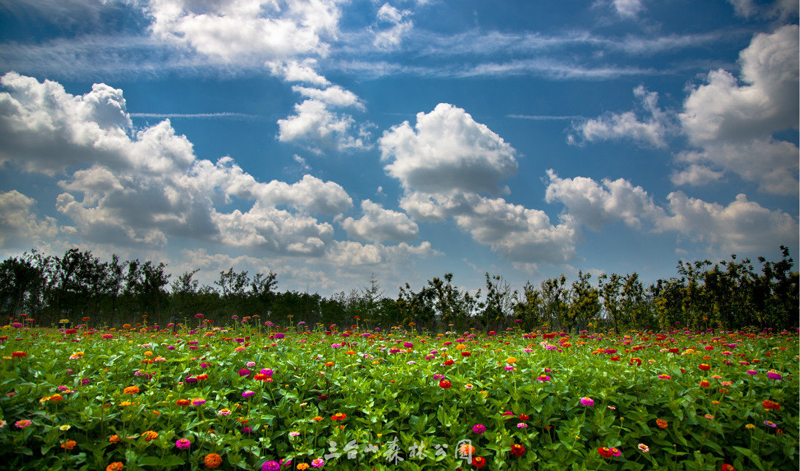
{"x": 731, "y": 294}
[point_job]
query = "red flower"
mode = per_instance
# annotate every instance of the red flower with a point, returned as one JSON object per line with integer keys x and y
{"x": 448, "y": 363}
{"x": 727, "y": 467}
{"x": 524, "y": 417}
{"x": 604, "y": 452}
{"x": 479, "y": 461}
{"x": 444, "y": 384}
{"x": 638, "y": 361}
{"x": 517, "y": 450}
{"x": 339, "y": 416}
{"x": 704, "y": 367}
{"x": 771, "y": 405}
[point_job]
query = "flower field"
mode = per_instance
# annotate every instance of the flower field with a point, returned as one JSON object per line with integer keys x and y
{"x": 269, "y": 398}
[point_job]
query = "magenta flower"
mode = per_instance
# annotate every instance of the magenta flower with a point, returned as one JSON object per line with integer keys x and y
{"x": 752, "y": 372}
{"x": 244, "y": 372}
{"x": 183, "y": 444}
{"x": 317, "y": 463}
{"x": 270, "y": 466}
{"x": 587, "y": 401}
{"x": 479, "y": 429}
{"x": 774, "y": 375}
{"x": 247, "y": 394}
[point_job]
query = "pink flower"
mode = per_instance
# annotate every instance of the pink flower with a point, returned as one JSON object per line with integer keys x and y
{"x": 774, "y": 375}
{"x": 317, "y": 463}
{"x": 23, "y": 423}
{"x": 616, "y": 452}
{"x": 588, "y": 402}
{"x": 183, "y": 444}
{"x": 479, "y": 429}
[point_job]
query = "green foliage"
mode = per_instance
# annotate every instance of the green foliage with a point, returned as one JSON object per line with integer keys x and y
{"x": 359, "y": 399}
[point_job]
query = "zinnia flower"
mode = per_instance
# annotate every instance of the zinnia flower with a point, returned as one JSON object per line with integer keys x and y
{"x": 774, "y": 375}
{"x": 605, "y": 452}
{"x": 444, "y": 384}
{"x": 302, "y": 466}
{"x": 466, "y": 449}
{"x": 479, "y": 461}
{"x": 767, "y": 404}
{"x": 704, "y": 383}
{"x": 665, "y": 376}
{"x": 198, "y": 401}
{"x": 644, "y": 448}
{"x": 183, "y": 444}
{"x": 727, "y": 467}
{"x": 517, "y": 450}
{"x": 150, "y": 435}
{"x": 339, "y": 416}
{"x": 616, "y": 452}
{"x": 270, "y": 466}
{"x": 318, "y": 463}
{"x": 21, "y": 424}
{"x": 212, "y": 461}
{"x": 115, "y": 466}
{"x": 69, "y": 444}
{"x": 479, "y": 429}
{"x": 588, "y": 402}
{"x": 247, "y": 394}
{"x": 661, "y": 423}
{"x": 131, "y": 390}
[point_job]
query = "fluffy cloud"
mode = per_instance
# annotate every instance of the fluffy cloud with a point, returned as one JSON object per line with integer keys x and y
{"x": 141, "y": 188}
{"x": 612, "y": 126}
{"x": 298, "y": 71}
{"x": 335, "y": 95}
{"x": 513, "y": 231}
{"x": 318, "y": 128}
{"x": 734, "y": 124}
{"x": 380, "y": 225}
{"x": 447, "y": 150}
{"x": 20, "y": 227}
{"x": 741, "y": 226}
{"x": 399, "y": 26}
{"x": 354, "y": 254}
{"x": 236, "y": 30}
{"x": 597, "y": 205}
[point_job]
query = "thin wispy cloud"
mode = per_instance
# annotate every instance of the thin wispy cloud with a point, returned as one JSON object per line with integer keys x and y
{"x": 545, "y": 117}
{"x": 223, "y": 115}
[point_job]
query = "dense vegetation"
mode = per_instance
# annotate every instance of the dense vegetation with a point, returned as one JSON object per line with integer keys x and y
{"x": 732, "y": 294}
{"x": 278, "y": 399}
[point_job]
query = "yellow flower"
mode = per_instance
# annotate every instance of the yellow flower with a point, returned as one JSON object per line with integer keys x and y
{"x": 750, "y": 426}
{"x": 64, "y": 428}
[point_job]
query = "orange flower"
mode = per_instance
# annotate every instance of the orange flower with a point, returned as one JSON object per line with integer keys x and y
{"x": 56, "y": 398}
{"x": 661, "y": 423}
{"x": 212, "y": 461}
{"x": 317, "y": 419}
{"x": 202, "y": 377}
{"x": 115, "y": 466}
{"x": 114, "y": 439}
{"x": 150, "y": 435}
{"x": 69, "y": 444}
{"x": 131, "y": 390}
{"x": 466, "y": 449}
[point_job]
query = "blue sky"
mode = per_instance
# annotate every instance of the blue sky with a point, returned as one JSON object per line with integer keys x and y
{"x": 328, "y": 140}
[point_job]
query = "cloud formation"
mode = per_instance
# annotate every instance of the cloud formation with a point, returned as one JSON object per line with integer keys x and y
{"x": 741, "y": 226}
{"x": 447, "y": 150}
{"x": 734, "y": 123}
{"x": 650, "y": 131}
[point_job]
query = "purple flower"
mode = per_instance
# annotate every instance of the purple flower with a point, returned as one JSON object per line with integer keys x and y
{"x": 183, "y": 444}
{"x": 244, "y": 372}
{"x": 279, "y": 335}
{"x": 247, "y": 430}
{"x": 479, "y": 429}
{"x": 270, "y": 466}
{"x": 247, "y": 394}
{"x": 191, "y": 380}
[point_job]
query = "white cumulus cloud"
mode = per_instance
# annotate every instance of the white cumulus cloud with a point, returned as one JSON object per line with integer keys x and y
{"x": 380, "y": 225}
{"x": 447, "y": 150}
{"x": 734, "y": 123}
